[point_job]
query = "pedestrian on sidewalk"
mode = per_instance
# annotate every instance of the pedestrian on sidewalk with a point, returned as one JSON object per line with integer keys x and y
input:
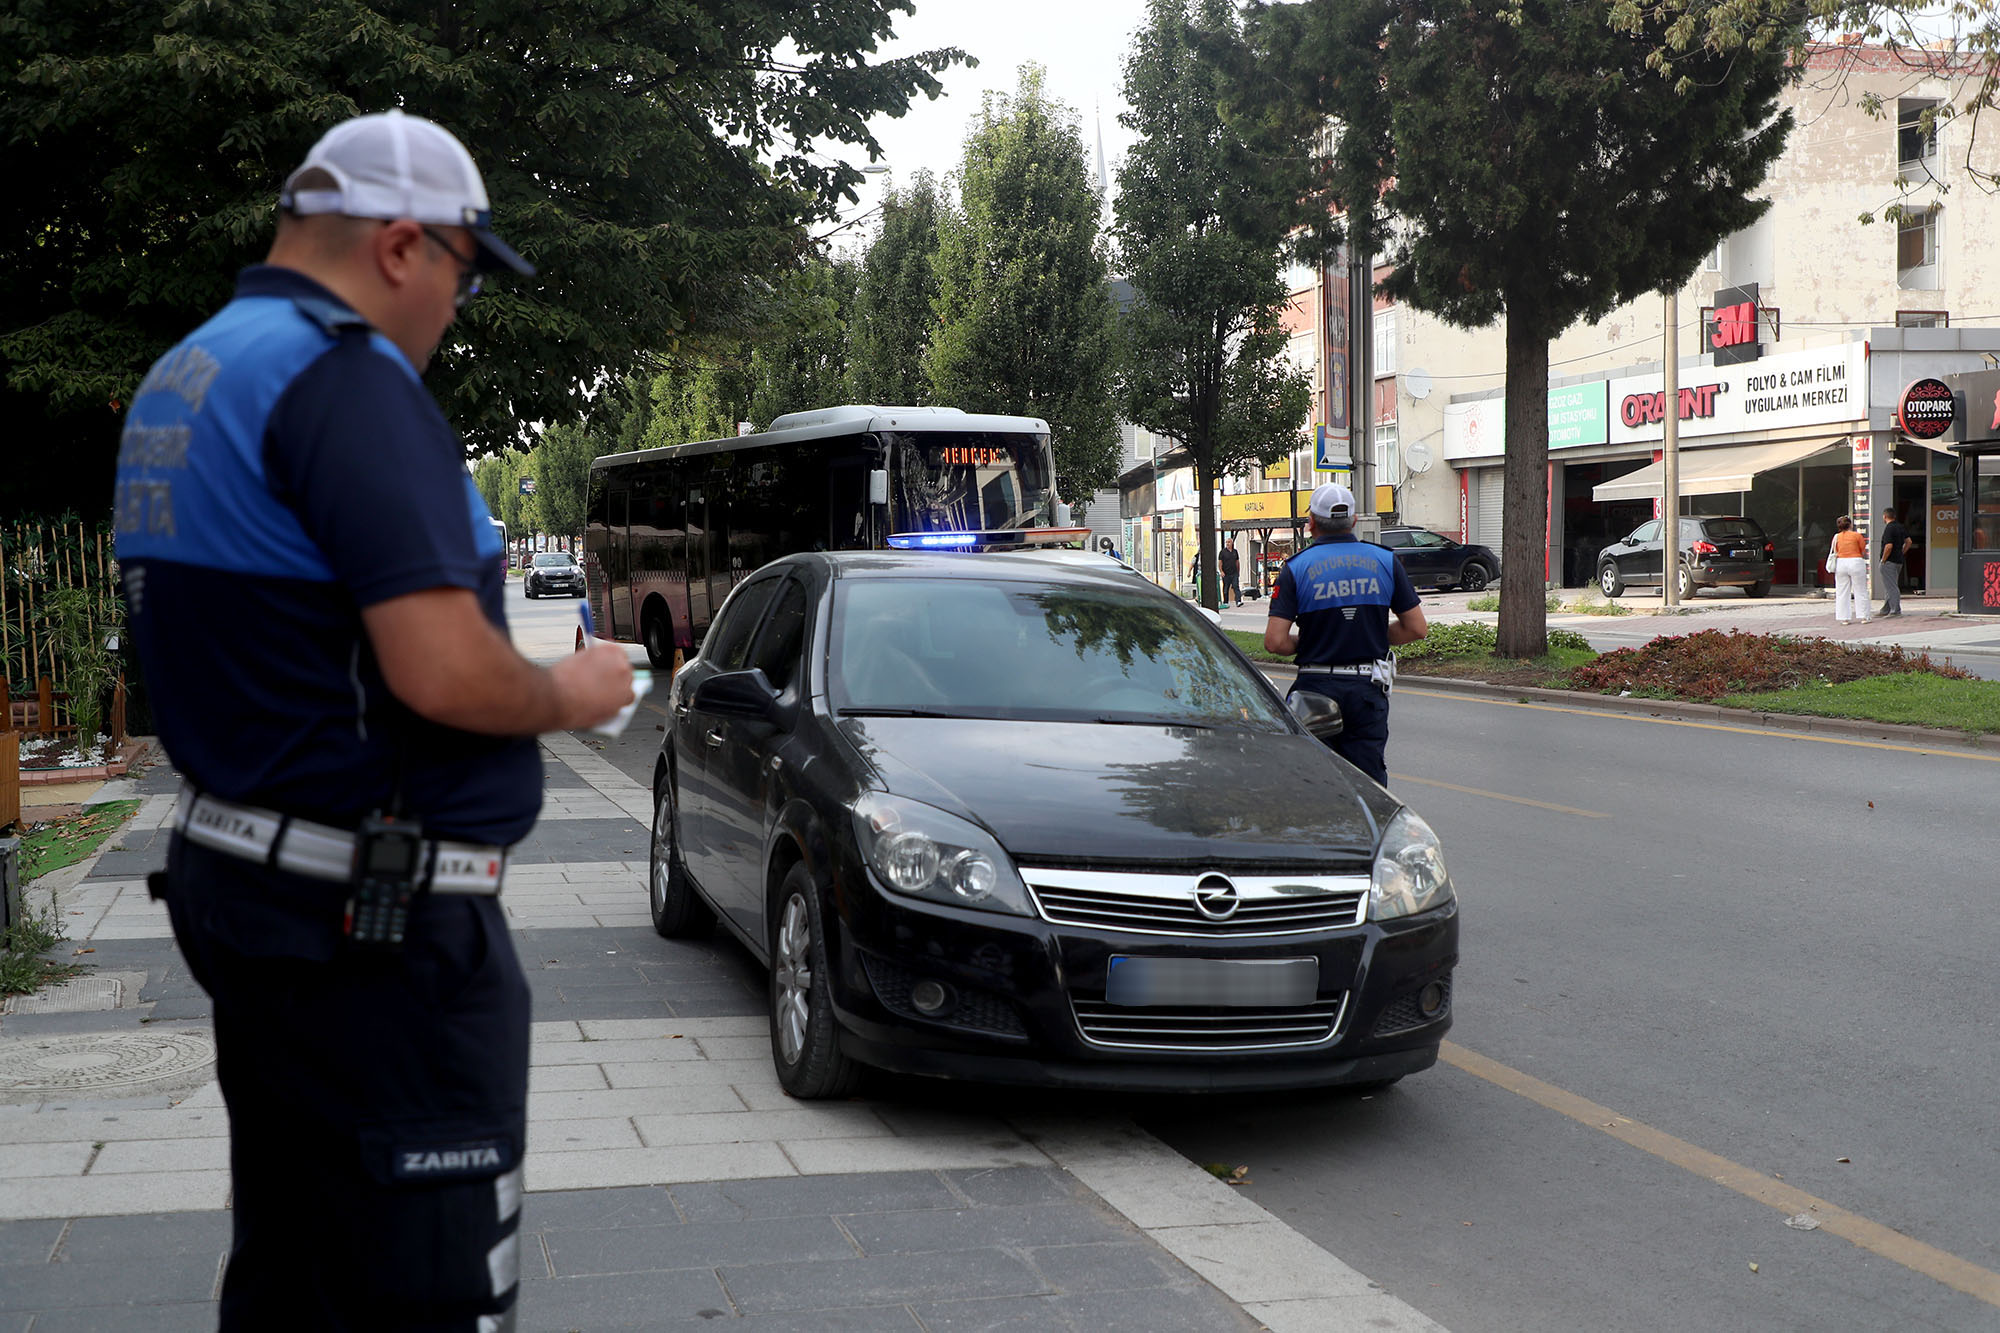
{"x": 1232, "y": 568}
{"x": 1895, "y": 549}
{"x": 317, "y": 602}
{"x": 1849, "y": 554}
{"x": 1353, "y": 603}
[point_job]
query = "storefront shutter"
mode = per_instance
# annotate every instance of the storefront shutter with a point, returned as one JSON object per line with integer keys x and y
{"x": 1489, "y": 486}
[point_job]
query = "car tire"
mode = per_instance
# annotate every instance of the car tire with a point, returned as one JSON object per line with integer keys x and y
{"x": 653, "y": 634}
{"x": 1473, "y": 578}
{"x": 1608, "y": 581}
{"x": 528, "y": 591}
{"x": 1684, "y": 583}
{"x": 804, "y": 1045}
{"x": 1758, "y": 589}
{"x": 678, "y": 911}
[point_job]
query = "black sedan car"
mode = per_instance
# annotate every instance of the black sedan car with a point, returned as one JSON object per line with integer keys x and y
{"x": 1433, "y": 560}
{"x": 1716, "y": 552}
{"x": 1036, "y": 821}
{"x": 554, "y": 572}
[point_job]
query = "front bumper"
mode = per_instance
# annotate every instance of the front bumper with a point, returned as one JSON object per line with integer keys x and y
{"x": 1021, "y": 991}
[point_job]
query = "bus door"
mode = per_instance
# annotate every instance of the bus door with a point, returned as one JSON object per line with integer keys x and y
{"x": 618, "y": 567}
{"x": 847, "y": 504}
{"x": 722, "y": 572}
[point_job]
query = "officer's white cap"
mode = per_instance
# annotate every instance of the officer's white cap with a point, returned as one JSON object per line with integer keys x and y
{"x": 1332, "y": 500}
{"x": 389, "y": 165}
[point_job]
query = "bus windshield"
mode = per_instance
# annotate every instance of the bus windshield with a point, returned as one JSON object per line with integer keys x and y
{"x": 968, "y": 481}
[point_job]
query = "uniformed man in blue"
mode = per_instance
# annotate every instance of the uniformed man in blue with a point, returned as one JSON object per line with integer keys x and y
{"x": 1351, "y": 603}
{"x": 316, "y": 598}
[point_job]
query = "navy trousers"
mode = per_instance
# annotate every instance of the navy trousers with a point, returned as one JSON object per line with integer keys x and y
{"x": 1364, "y": 710}
{"x": 377, "y": 1109}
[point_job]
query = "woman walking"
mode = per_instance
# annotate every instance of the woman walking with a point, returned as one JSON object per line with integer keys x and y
{"x": 1849, "y": 556}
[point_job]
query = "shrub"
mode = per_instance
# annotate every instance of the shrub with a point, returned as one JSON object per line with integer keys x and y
{"x": 1711, "y": 664}
{"x": 1568, "y": 638}
{"x": 1467, "y": 639}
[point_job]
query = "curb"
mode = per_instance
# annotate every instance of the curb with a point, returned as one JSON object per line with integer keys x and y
{"x": 1930, "y": 737}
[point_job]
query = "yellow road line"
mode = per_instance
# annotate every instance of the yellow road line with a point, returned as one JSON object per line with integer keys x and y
{"x": 1705, "y": 726}
{"x": 1501, "y": 796}
{"x": 1959, "y": 1274}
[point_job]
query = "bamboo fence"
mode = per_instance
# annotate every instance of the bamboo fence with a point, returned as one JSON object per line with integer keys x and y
{"x": 37, "y": 558}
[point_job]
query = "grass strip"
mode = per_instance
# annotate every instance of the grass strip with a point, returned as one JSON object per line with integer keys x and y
{"x": 64, "y": 842}
{"x": 1915, "y": 698}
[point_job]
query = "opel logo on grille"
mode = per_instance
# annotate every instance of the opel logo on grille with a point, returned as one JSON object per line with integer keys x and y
{"x": 1215, "y": 898}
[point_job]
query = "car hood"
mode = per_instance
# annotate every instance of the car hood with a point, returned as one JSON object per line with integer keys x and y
{"x": 1101, "y": 793}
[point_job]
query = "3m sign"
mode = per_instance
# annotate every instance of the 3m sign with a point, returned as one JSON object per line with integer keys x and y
{"x": 1731, "y": 333}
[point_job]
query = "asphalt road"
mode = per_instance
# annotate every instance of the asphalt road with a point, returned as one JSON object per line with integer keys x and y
{"x": 1689, "y": 952}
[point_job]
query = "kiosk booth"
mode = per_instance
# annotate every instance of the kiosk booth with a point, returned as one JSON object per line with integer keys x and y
{"x": 1976, "y": 440}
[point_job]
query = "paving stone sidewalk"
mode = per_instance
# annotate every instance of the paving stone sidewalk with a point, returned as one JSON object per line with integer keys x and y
{"x": 672, "y": 1182}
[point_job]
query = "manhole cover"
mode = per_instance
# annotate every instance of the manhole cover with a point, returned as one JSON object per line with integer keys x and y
{"x": 117, "y": 1064}
{"x": 78, "y": 995}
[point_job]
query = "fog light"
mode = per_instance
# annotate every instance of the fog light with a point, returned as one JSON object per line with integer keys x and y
{"x": 1431, "y": 999}
{"x": 930, "y": 997}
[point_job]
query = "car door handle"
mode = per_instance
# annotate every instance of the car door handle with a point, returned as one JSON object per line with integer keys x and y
{"x": 714, "y": 738}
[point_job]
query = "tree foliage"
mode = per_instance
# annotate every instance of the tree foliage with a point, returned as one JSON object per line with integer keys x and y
{"x": 561, "y": 467}
{"x": 654, "y": 158}
{"x": 1202, "y": 346}
{"x": 1531, "y": 165}
{"x": 893, "y": 308}
{"x": 1023, "y": 315}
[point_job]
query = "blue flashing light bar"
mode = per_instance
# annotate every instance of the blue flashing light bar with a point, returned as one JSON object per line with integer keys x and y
{"x": 921, "y": 540}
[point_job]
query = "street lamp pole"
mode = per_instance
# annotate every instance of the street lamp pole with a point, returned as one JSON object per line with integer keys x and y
{"x": 1670, "y": 530}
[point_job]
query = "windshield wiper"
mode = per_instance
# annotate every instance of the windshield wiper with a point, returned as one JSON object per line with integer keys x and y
{"x": 899, "y": 712}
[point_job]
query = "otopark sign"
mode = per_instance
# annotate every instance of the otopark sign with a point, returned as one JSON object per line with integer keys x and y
{"x": 1925, "y": 410}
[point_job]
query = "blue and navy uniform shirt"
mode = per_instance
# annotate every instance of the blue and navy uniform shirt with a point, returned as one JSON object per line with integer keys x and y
{"x": 280, "y": 470}
{"x": 1340, "y": 592}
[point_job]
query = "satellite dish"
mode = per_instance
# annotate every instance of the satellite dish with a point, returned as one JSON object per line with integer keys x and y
{"x": 1418, "y": 382}
{"x": 1417, "y": 459}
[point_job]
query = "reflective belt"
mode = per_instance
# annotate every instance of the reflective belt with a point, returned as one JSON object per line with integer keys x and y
{"x": 1339, "y": 668}
{"x": 318, "y": 851}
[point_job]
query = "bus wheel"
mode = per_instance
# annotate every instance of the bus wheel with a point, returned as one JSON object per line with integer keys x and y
{"x": 659, "y": 651}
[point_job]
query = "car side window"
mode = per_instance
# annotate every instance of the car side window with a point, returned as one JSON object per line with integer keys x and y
{"x": 782, "y": 641}
{"x": 1427, "y": 539}
{"x": 1395, "y": 541}
{"x": 728, "y": 641}
{"x": 1646, "y": 532}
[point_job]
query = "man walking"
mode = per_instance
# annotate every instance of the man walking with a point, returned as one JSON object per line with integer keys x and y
{"x": 1351, "y": 602}
{"x": 1232, "y": 568}
{"x": 1896, "y": 545}
{"x": 316, "y": 599}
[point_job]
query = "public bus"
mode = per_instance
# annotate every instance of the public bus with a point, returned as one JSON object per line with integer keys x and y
{"x": 506, "y": 554}
{"x": 670, "y": 531}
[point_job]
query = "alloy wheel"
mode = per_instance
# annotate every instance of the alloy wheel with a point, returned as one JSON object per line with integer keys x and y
{"x": 663, "y": 852}
{"x": 793, "y": 970}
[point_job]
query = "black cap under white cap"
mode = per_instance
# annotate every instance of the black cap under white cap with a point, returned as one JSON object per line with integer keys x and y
{"x": 389, "y": 166}
{"x": 1332, "y": 500}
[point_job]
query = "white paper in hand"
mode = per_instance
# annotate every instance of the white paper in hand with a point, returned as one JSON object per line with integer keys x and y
{"x": 642, "y": 684}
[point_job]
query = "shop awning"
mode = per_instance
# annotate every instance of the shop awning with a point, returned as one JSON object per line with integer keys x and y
{"x": 1714, "y": 471}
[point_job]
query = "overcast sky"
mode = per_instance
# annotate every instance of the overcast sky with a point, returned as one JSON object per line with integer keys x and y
{"x": 1082, "y": 44}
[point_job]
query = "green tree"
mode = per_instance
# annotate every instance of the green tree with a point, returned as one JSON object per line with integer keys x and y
{"x": 1537, "y": 170}
{"x": 894, "y": 311}
{"x": 659, "y": 162}
{"x": 1202, "y": 349}
{"x": 561, "y": 464}
{"x": 1023, "y": 314}
{"x": 804, "y": 364}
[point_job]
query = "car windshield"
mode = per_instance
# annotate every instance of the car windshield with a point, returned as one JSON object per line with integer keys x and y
{"x": 1025, "y": 650}
{"x": 554, "y": 559}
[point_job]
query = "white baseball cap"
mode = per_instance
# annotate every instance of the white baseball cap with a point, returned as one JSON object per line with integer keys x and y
{"x": 1332, "y": 500}
{"x": 389, "y": 166}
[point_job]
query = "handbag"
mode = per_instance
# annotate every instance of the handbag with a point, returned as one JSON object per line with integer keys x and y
{"x": 1829, "y": 560}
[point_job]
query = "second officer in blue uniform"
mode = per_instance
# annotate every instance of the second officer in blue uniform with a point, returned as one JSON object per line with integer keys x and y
{"x": 1351, "y": 603}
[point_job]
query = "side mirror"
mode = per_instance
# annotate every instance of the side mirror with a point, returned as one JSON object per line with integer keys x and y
{"x": 878, "y": 487}
{"x": 1064, "y": 515}
{"x": 1319, "y": 715}
{"x": 736, "y": 694}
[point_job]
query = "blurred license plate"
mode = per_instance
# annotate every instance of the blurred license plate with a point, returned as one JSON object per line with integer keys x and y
{"x": 1223, "y": 982}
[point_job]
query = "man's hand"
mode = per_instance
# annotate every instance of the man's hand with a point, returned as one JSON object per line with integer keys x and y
{"x": 445, "y": 660}
{"x": 597, "y": 682}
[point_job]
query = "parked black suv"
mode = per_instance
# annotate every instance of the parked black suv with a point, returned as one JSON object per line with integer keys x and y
{"x": 1433, "y": 560}
{"x": 1716, "y": 552}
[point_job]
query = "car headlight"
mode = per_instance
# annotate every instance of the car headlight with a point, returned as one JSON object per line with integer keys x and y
{"x": 1409, "y": 871}
{"x": 922, "y": 851}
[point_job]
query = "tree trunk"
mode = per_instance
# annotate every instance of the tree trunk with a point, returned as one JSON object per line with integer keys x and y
{"x": 1206, "y": 590}
{"x": 1524, "y": 616}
